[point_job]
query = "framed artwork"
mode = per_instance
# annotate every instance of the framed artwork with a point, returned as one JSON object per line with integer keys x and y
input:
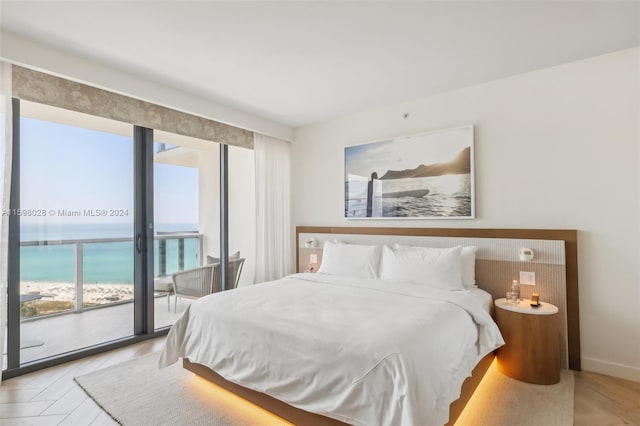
{"x": 424, "y": 176}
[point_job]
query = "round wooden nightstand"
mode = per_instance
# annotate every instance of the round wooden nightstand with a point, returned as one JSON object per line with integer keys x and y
{"x": 532, "y": 335}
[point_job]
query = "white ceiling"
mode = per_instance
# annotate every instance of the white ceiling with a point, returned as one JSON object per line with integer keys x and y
{"x": 303, "y": 62}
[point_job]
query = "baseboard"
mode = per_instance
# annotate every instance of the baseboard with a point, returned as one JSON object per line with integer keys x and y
{"x": 613, "y": 369}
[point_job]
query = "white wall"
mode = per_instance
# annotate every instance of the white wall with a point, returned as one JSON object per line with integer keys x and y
{"x": 557, "y": 148}
{"x": 28, "y": 53}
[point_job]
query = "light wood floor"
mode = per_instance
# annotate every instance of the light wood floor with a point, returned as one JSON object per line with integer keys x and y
{"x": 607, "y": 401}
{"x": 51, "y": 397}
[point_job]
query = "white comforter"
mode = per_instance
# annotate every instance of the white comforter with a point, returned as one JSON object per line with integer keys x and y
{"x": 367, "y": 352}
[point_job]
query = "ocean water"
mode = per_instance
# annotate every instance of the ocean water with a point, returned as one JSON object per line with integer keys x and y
{"x": 103, "y": 263}
{"x": 449, "y": 196}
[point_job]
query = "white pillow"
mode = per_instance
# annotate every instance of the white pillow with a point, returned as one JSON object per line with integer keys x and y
{"x": 437, "y": 267}
{"x": 468, "y": 258}
{"x": 350, "y": 260}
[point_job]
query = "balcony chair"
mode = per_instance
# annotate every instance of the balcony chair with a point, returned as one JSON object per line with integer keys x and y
{"x": 205, "y": 280}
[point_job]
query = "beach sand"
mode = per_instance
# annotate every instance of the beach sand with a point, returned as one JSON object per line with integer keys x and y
{"x": 66, "y": 292}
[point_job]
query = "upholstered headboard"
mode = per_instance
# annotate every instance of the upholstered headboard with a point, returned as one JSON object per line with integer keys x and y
{"x": 555, "y": 263}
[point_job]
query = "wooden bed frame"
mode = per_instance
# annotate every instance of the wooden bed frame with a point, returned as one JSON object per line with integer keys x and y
{"x": 302, "y": 417}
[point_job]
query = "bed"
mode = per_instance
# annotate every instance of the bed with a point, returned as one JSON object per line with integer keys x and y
{"x": 358, "y": 349}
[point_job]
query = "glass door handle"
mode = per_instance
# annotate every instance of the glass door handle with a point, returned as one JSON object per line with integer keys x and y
{"x": 139, "y": 243}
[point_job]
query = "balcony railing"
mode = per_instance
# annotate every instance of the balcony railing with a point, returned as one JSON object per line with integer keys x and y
{"x": 162, "y": 256}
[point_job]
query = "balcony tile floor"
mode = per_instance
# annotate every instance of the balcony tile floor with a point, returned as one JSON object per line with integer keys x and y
{"x": 63, "y": 333}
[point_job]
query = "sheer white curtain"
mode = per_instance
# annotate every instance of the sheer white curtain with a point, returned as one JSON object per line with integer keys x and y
{"x": 273, "y": 228}
{"x": 5, "y": 185}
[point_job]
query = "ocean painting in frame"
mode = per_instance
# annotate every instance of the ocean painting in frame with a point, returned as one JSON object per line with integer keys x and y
{"x": 423, "y": 176}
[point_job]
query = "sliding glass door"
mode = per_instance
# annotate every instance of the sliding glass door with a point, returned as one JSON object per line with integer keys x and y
{"x": 242, "y": 213}
{"x": 186, "y": 197}
{"x": 76, "y": 231}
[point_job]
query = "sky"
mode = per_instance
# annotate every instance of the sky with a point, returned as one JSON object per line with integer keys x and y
{"x": 407, "y": 152}
{"x": 71, "y": 168}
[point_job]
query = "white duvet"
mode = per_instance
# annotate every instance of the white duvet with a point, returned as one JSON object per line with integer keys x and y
{"x": 367, "y": 352}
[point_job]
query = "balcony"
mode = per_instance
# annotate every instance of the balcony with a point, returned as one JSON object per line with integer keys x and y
{"x": 57, "y": 334}
{"x": 59, "y": 317}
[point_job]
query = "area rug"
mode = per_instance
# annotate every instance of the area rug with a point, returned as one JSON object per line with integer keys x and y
{"x": 138, "y": 393}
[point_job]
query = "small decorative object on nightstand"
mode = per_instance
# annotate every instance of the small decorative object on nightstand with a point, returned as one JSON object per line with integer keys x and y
{"x": 313, "y": 263}
{"x": 532, "y": 335}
